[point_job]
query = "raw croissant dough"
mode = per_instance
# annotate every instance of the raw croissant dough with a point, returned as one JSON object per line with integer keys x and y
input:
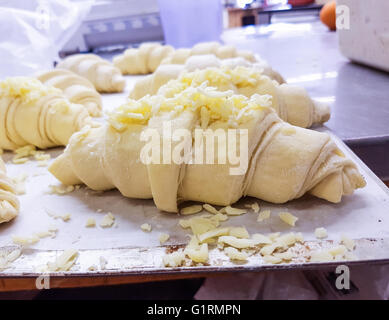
{"x": 104, "y": 76}
{"x": 291, "y": 103}
{"x": 149, "y": 56}
{"x": 77, "y": 89}
{"x": 143, "y": 60}
{"x": 34, "y": 114}
{"x": 285, "y": 161}
{"x": 9, "y": 203}
{"x": 165, "y": 72}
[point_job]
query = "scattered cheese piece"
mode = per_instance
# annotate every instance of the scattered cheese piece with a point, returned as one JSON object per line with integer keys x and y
{"x": 284, "y": 255}
{"x": 6, "y": 257}
{"x": 163, "y": 237}
{"x": 221, "y": 217}
{"x": 321, "y": 256}
{"x": 271, "y": 259}
{"x": 338, "y": 250}
{"x": 174, "y": 259}
{"x": 260, "y": 239}
{"x": 191, "y": 210}
{"x": 64, "y": 262}
{"x": 255, "y": 207}
{"x": 321, "y": 233}
{"x": 268, "y": 249}
{"x": 60, "y": 189}
{"x": 239, "y": 232}
{"x": 66, "y": 217}
{"x": 20, "y": 160}
{"x": 107, "y": 220}
{"x": 349, "y": 243}
{"x": 274, "y": 236}
{"x": 90, "y": 223}
{"x": 103, "y": 263}
{"x": 210, "y": 208}
{"x": 235, "y": 254}
{"x": 19, "y": 183}
{"x": 197, "y": 254}
{"x": 92, "y": 268}
{"x": 236, "y": 242}
{"x": 234, "y": 211}
{"x": 201, "y": 225}
{"x": 288, "y": 239}
{"x": 263, "y": 215}
{"x": 146, "y": 227}
{"x": 217, "y": 232}
{"x": 25, "y": 241}
{"x": 288, "y": 218}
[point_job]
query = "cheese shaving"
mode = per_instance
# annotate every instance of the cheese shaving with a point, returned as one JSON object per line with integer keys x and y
{"x": 349, "y": 243}
{"x": 107, "y": 221}
{"x": 90, "y": 223}
{"x": 61, "y": 189}
{"x": 210, "y": 209}
{"x": 234, "y": 211}
{"x": 321, "y": 233}
{"x": 235, "y": 254}
{"x": 263, "y": 215}
{"x": 191, "y": 210}
{"x": 146, "y": 227}
{"x": 288, "y": 218}
{"x": 175, "y": 259}
{"x": 65, "y": 261}
{"x": 163, "y": 237}
{"x": 239, "y": 232}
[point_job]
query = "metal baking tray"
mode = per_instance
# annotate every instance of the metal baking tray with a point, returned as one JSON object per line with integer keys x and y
{"x": 128, "y": 250}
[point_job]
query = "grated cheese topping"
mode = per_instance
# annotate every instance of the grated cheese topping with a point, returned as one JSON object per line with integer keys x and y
{"x": 288, "y": 218}
{"x": 107, "y": 221}
{"x": 28, "y": 89}
{"x": 146, "y": 227}
{"x": 210, "y": 104}
{"x": 263, "y": 215}
{"x": 321, "y": 233}
{"x": 191, "y": 210}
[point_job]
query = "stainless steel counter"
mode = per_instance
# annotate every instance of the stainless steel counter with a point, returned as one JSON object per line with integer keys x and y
{"x": 307, "y": 54}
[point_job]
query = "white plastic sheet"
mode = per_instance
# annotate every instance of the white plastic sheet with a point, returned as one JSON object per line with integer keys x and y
{"x": 33, "y": 32}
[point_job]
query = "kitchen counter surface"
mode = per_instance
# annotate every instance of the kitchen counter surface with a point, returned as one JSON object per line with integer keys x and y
{"x": 307, "y": 54}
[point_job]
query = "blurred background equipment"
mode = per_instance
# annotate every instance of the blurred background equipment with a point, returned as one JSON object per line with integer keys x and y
{"x": 186, "y": 23}
{"x": 114, "y": 24}
{"x": 365, "y": 39}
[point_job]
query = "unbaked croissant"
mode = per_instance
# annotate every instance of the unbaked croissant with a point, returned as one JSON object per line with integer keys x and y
{"x": 34, "y": 114}
{"x": 9, "y": 203}
{"x": 104, "y": 76}
{"x": 149, "y": 56}
{"x": 76, "y": 88}
{"x": 165, "y": 72}
{"x": 283, "y": 161}
{"x": 292, "y": 103}
{"x": 143, "y": 60}
{"x": 221, "y": 51}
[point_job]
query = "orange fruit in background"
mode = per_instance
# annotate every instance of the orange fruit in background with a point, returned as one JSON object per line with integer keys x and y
{"x": 328, "y": 15}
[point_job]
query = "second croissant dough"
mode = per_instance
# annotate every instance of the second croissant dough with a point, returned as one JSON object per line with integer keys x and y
{"x": 291, "y": 103}
{"x": 165, "y": 72}
{"x": 34, "y": 114}
{"x": 77, "y": 89}
{"x": 9, "y": 203}
{"x": 104, "y": 76}
{"x": 284, "y": 162}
